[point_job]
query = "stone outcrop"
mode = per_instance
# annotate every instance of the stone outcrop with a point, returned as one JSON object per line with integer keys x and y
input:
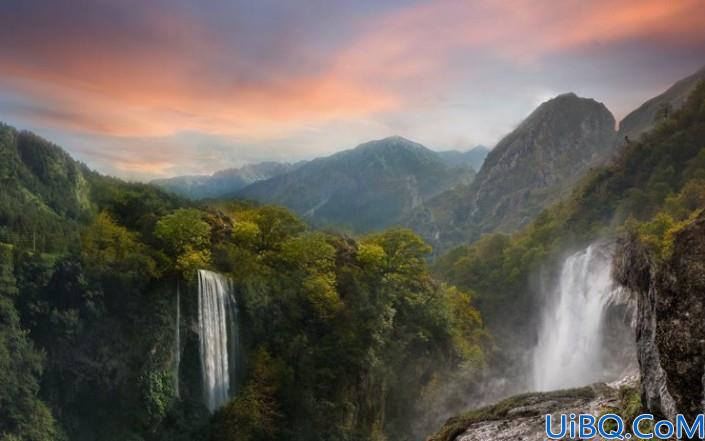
{"x": 531, "y": 168}
{"x": 523, "y": 417}
{"x": 670, "y": 319}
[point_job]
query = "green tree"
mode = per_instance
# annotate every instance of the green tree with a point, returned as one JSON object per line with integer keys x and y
{"x": 187, "y": 238}
{"x": 253, "y": 415}
{"x": 22, "y": 415}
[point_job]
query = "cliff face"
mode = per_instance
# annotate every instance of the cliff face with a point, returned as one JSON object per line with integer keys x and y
{"x": 554, "y": 146}
{"x": 532, "y": 167}
{"x": 670, "y": 320}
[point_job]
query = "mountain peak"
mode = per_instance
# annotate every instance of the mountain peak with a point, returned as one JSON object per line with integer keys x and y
{"x": 569, "y": 98}
{"x": 394, "y": 141}
{"x": 366, "y": 188}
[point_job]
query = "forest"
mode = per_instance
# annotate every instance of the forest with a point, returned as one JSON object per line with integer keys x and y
{"x": 344, "y": 338}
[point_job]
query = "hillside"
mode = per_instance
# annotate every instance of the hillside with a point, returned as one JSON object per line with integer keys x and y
{"x": 43, "y": 189}
{"x": 366, "y": 188}
{"x": 222, "y": 183}
{"x": 661, "y": 177}
{"x": 99, "y": 301}
{"x": 529, "y": 169}
{"x": 653, "y": 192}
{"x": 656, "y": 109}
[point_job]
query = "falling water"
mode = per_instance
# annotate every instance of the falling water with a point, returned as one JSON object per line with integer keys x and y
{"x": 569, "y": 352}
{"x": 215, "y": 312}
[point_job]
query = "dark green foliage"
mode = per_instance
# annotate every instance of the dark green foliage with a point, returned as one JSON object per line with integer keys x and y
{"x": 344, "y": 339}
{"x": 22, "y": 415}
{"x": 360, "y": 330}
{"x": 43, "y": 194}
{"x": 253, "y": 414}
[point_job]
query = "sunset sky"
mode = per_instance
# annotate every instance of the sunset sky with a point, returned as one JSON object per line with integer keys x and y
{"x": 144, "y": 88}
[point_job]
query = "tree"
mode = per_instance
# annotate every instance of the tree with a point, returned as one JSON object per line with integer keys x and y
{"x": 253, "y": 414}
{"x": 187, "y": 238}
{"x": 22, "y": 414}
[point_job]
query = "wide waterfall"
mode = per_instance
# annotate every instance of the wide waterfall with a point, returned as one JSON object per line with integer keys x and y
{"x": 570, "y": 348}
{"x": 217, "y": 316}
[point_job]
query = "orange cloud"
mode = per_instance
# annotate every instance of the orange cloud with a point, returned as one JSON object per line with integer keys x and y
{"x": 171, "y": 72}
{"x": 186, "y": 80}
{"x": 119, "y": 88}
{"x": 421, "y": 40}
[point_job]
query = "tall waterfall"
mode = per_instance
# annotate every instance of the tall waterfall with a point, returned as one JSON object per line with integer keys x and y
{"x": 216, "y": 319}
{"x": 569, "y": 351}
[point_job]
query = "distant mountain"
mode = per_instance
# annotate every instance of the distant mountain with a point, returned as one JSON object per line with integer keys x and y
{"x": 472, "y": 158}
{"x": 43, "y": 189}
{"x": 659, "y": 107}
{"x": 529, "y": 169}
{"x": 366, "y": 188}
{"x": 222, "y": 183}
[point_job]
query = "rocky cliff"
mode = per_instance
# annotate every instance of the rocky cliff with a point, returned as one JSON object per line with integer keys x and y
{"x": 523, "y": 417}
{"x": 670, "y": 320}
{"x": 529, "y": 169}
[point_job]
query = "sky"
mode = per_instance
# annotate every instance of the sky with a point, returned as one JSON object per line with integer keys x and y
{"x": 145, "y": 89}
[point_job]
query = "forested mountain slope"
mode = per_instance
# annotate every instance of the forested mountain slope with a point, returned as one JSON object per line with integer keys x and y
{"x": 339, "y": 338}
{"x": 529, "y": 169}
{"x": 364, "y": 189}
{"x": 656, "y": 182}
{"x": 658, "y": 108}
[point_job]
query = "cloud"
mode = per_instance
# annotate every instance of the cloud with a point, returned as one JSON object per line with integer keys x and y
{"x": 166, "y": 81}
{"x": 167, "y": 72}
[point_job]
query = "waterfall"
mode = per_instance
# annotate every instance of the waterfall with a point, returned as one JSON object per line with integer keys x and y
{"x": 570, "y": 348}
{"x": 178, "y": 339}
{"x": 216, "y": 319}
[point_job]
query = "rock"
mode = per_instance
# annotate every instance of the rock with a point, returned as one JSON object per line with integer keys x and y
{"x": 530, "y": 168}
{"x": 523, "y": 417}
{"x": 670, "y": 320}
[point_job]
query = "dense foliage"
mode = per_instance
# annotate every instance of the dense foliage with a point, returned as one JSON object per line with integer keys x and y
{"x": 346, "y": 335}
{"x": 342, "y": 339}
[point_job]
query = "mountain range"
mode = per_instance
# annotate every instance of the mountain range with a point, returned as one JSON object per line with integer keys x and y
{"x": 537, "y": 164}
{"x": 472, "y": 158}
{"x": 366, "y": 188}
{"x": 395, "y": 181}
{"x": 530, "y": 168}
{"x": 224, "y": 182}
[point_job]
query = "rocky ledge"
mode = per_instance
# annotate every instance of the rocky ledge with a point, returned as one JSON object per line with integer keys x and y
{"x": 522, "y": 418}
{"x": 670, "y": 291}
